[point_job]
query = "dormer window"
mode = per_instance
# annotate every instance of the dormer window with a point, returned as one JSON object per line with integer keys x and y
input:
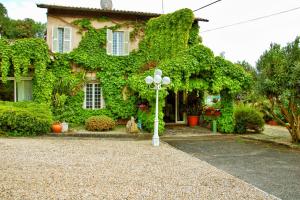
{"x": 117, "y": 43}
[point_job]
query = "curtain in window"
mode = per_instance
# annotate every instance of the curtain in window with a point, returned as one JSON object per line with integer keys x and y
{"x": 24, "y": 90}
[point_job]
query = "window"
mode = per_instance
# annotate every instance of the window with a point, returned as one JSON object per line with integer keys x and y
{"x": 93, "y": 96}
{"x": 16, "y": 91}
{"x": 61, "y": 39}
{"x": 117, "y": 43}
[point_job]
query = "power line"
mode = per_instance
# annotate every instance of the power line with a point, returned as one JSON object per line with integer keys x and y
{"x": 251, "y": 20}
{"x": 207, "y": 5}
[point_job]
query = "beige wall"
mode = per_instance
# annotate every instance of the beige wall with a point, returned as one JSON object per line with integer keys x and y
{"x": 66, "y": 21}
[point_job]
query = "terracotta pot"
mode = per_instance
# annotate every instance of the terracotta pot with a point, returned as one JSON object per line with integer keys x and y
{"x": 272, "y": 123}
{"x": 57, "y": 128}
{"x": 193, "y": 120}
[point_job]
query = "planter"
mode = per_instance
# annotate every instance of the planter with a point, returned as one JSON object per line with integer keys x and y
{"x": 193, "y": 120}
{"x": 65, "y": 127}
{"x": 56, "y": 128}
{"x": 272, "y": 123}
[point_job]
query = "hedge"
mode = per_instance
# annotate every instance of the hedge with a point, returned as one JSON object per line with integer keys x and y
{"x": 24, "y": 118}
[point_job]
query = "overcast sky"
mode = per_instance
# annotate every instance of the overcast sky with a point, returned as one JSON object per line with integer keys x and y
{"x": 243, "y": 42}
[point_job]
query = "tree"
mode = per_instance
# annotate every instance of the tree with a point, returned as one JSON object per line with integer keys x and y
{"x": 279, "y": 81}
{"x": 249, "y": 95}
{"x": 13, "y": 29}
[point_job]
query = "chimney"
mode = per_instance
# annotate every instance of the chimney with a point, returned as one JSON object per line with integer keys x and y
{"x": 106, "y": 4}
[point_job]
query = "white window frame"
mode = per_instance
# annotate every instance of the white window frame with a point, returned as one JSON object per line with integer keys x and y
{"x": 15, "y": 84}
{"x": 102, "y": 103}
{"x": 119, "y": 45}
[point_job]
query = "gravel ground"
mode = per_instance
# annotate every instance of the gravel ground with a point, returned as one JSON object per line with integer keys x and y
{"x": 60, "y": 168}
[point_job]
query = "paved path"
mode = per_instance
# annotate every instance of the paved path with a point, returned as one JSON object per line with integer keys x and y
{"x": 274, "y": 169}
{"x": 68, "y": 168}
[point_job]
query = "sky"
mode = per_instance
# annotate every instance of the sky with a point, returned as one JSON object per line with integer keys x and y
{"x": 242, "y": 42}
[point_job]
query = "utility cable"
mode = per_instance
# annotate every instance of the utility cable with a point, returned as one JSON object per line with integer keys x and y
{"x": 207, "y": 5}
{"x": 251, "y": 20}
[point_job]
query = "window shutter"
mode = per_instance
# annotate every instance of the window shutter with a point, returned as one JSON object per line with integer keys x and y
{"x": 67, "y": 39}
{"x": 109, "y": 42}
{"x": 54, "y": 39}
{"x": 126, "y": 43}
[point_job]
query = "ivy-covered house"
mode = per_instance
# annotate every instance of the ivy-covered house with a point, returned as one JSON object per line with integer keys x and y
{"x": 99, "y": 58}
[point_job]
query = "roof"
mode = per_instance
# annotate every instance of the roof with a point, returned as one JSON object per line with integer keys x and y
{"x": 105, "y": 11}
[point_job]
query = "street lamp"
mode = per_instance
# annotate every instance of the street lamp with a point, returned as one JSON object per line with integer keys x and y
{"x": 158, "y": 81}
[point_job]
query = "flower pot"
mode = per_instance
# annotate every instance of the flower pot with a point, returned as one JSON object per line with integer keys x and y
{"x": 57, "y": 128}
{"x": 65, "y": 127}
{"x": 272, "y": 123}
{"x": 193, "y": 120}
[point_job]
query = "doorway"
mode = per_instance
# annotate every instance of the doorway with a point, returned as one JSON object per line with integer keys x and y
{"x": 174, "y": 111}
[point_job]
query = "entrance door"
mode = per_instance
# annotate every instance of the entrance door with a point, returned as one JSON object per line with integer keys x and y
{"x": 174, "y": 111}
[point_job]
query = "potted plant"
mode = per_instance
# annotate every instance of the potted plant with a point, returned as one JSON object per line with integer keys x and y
{"x": 56, "y": 127}
{"x": 193, "y": 115}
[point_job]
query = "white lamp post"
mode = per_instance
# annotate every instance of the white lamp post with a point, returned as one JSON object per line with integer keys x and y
{"x": 158, "y": 81}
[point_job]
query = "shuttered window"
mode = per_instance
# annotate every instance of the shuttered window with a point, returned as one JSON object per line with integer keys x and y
{"x": 61, "y": 39}
{"x": 117, "y": 43}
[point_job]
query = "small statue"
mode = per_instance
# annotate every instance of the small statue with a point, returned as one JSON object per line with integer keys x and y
{"x": 131, "y": 126}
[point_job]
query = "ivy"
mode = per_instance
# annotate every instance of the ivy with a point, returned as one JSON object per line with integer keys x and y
{"x": 170, "y": 42}
{"x": 23, "y": 55}
{"x": 226, "y": 121}
{"x": 5, "y": 53}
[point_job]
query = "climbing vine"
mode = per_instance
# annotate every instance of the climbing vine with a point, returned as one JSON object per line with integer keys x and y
{"x": 28, "y": 57}
{"x": 4, "y": 59}
{"x": 170, "y": 42}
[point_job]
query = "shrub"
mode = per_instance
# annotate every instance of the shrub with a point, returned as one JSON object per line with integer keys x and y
{"x": 24, "y": 118}
{"x": 247, "y": 117}
{"x": 99, "y": 123}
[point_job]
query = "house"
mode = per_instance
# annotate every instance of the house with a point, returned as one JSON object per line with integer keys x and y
{"x": 100, "y": 58}
{"x": 63, "y": 36}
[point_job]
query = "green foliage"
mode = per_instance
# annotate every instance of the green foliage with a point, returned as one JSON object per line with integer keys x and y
{"x": 167, "y": 35}
{"x": 24, "y": 57}
{"x": 226, "y": 121}
{"x": 247, "y": 117}
{"x": 194, "y": 37}
{"x": 171, "y": 43}
{"x": 84, "y": 24}
{"x": 15, "y": 29}
{"x": 279, "y": 72}
{"x": 99, "y": 123}
{"x": 147, "y": 119}
{"x": 25, "y": 118}
{"x": 227, "y": 76}
{"x": 5, "y": 53}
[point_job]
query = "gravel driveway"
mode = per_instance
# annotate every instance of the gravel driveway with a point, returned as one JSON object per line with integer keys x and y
{"x": 60, "y": 168}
